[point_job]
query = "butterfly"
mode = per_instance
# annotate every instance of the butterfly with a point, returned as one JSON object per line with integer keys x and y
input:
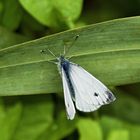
{"x": 81, "y": 89}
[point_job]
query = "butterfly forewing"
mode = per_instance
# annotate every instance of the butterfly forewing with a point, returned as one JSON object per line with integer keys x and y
{"x": 67, "y": 97}
{"x": 90, "y": 93}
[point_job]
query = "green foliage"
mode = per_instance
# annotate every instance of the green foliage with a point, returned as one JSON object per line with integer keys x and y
{"x": 119, "y": 134}
{"x": 117, "y": 129}
{"x": 36, "y": 113}
{"x": 54, "y": 13}
{"x": 60, "y": 128}
{"x": 8, "y": 39}
{"x": 8, "y": 18}
{"x": 129, "y": 108}
{"x": 9, "y": 120}
{"x": 108, "y": 50}
{"x": 89, "y": 129}
{"x": 32, "y": 118}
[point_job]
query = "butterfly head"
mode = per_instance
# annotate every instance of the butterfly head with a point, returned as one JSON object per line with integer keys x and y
{"x": 61, "y": 57}
{"x": 63, "y": 62}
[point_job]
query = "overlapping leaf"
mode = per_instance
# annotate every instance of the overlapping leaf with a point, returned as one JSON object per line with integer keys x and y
{"x": 54, "y": 13}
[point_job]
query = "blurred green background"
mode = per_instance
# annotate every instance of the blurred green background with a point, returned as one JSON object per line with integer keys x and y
{"x": 43, "y": 117}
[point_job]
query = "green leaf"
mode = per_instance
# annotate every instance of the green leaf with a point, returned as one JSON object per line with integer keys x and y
{"x": 89, "y": 129}
{"x": 119, "y": 135}
{"x": 10, "y": 120}
{"x": 25, "y": 118}
{"x": 110, "y": 51}
{"x": 60, "y": 128}
{"x": 8, "y": 38}
{"x": 1, "y": 7}
{"x": 54, "y": 13}
{"x": 31, "y": 27}
{"x": 36, "y": 117}
{"x": 117, "y": 129}
{"x": 135, "y": 132}
{"x": 10, "y": 19}
{"x": 129, "y": 105}
{"x": 108, "y": 124}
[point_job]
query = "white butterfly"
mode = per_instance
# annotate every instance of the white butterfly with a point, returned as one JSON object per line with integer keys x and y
{"x": 79, "y": 86}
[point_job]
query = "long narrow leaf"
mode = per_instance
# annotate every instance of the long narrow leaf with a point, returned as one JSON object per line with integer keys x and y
{"x": 109, "y": 50}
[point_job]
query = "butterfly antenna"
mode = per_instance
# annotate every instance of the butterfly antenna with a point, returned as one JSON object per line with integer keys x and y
{"x": 50, "y": 61}
{"x": 52, "y": 53}
{"x": 66, "y": 51}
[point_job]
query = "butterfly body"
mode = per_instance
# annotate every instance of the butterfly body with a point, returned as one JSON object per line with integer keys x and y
{"x": 65, "y": 65}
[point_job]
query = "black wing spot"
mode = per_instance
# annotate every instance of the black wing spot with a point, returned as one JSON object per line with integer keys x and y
{"x": 107, "y": 100}
{"x": 109, "y": 95}
{"x": 96, "y": 94}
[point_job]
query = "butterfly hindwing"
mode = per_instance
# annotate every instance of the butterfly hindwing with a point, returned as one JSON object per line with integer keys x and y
{"x": 67, "y": 97}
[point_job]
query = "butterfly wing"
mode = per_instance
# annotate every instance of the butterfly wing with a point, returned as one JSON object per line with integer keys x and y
{"x": 67, "y": 97}
{"x": 90, "y": 93}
